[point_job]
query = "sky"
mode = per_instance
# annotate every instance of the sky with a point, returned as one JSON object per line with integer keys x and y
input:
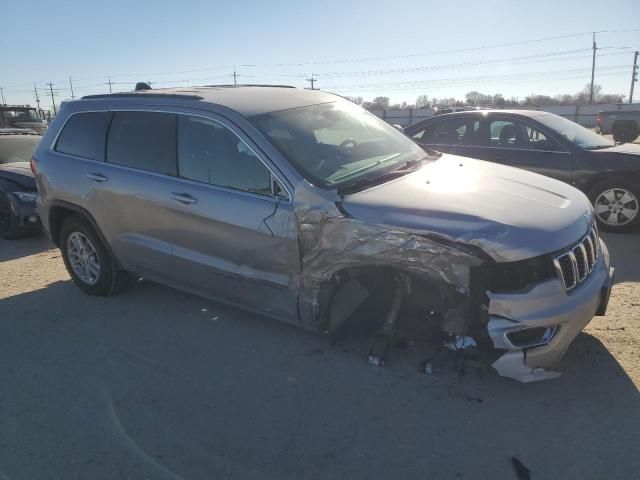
{"x": 400, "y": 48}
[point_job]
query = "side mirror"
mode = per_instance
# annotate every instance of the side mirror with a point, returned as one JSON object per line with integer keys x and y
{"x": 400, "y": 128}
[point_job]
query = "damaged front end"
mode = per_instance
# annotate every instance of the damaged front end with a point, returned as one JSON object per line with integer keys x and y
{"x": 521, "y": 310}
{"x": 535, "y": 326}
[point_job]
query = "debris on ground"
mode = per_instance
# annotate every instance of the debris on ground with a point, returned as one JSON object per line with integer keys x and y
{"x": 521, "y": 471}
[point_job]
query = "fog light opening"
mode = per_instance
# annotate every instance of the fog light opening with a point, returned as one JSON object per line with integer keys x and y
{"x": 531, "y": 337}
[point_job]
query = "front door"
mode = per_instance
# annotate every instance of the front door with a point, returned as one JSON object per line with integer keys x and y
{"x": 236, "y": 236}
{"x": 522, "y": 144}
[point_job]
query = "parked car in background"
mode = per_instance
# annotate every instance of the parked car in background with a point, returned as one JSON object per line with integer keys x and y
{"x": 550, "y": 145}
{"x": 18, "y": 192}
{"x": 19, "y": 116}
{"x": 624, "y": 125}
{"x": 305, "y": 207}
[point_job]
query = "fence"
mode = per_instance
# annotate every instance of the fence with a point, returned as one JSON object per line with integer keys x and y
{"x": 585, "y": 115}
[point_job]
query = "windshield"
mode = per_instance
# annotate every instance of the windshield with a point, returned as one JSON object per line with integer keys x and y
{"x": 575, "y": 133}
{"x": 17, "y": 148}
{"x": 334, "y": 144}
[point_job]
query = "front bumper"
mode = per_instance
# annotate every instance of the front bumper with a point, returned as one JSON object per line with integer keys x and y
{"x": 27, "y": 217}
{"x": 546, "y": 305}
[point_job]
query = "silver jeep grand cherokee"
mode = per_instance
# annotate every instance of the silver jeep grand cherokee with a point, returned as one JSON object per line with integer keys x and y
{"x": 302, "y": 206}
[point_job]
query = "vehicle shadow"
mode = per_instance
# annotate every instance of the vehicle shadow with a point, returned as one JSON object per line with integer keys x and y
{"x": 155, "y": 383}
{"x": 624, "y": 249}
{"x": 12, "y": 249}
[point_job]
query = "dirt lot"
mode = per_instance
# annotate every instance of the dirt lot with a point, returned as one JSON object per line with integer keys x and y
{"x": 158, "y": 384}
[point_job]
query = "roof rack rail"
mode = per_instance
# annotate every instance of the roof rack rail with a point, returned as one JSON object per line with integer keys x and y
{"x": 143, "y": 94}
{"x": 250, "y": 85}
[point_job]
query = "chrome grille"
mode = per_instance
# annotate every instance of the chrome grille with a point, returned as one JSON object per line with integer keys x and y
{"x": 575, "y": 265}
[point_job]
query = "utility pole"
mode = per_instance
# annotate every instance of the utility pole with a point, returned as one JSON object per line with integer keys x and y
{"x": 634, "y": 75}
{"x": 35, "y": 89}
{"x": 109, "y": 83}
{"x": 235, "y": 76}
{"x": 71, "y": 85}
{"x": 2, "y": 95}
{"x": 53, "y": 101}
{"x": 593, "y": 68}
{"x": 312, "y": 80}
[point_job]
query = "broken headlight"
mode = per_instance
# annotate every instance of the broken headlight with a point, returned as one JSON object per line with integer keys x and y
{"x": 514, "y": 276}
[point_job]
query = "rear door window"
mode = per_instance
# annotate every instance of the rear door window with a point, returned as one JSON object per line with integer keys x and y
{"x": 84, "y": 135}
{"x": 459, "y": 131}
{"x": 209, "y": 152}
{"x": 143, "y": 140}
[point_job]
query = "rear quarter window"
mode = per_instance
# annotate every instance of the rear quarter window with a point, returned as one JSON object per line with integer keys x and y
{"x": 84, "y": 135}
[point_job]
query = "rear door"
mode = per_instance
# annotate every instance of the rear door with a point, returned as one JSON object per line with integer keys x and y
{"x": 131, "y": 199}
{"x": 117, "y": 166}
{"x": 236, "y": 235}
{"x": 523, "y": 144}
{"x": 455, "y": 135}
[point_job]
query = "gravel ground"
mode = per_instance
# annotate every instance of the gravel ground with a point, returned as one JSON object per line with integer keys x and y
{"x": 154, "y": 383}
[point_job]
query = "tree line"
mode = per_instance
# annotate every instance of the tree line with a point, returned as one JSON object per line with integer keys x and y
{"x": 478, "y": 99}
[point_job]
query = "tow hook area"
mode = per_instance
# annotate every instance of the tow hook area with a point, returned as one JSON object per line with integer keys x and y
{"x": 511, "y": 365}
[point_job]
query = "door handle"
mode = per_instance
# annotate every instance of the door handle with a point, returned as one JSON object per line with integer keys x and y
{"x": 97, "y": 177}
{"x": 183, "y": 198}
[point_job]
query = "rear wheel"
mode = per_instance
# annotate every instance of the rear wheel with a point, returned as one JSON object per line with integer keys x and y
{"x": 625, "y": 131}
{"x": 87, "y": 259}
{"x": 8, "y": 219}
{"x": 616, "y": 204}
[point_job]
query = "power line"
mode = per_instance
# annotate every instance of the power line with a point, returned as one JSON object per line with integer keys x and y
{"x": 312, "y": 81}
{"x": 52, "y": 99}
{"x": 366, "y": 59}
{"x": 634, "y": 75}
{"x": 451, "y": 81}
{"x": 593, "y": 69}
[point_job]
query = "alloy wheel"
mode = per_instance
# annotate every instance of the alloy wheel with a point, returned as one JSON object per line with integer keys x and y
{"x": 616, "y": 207}
{"x": 83, "y": 257}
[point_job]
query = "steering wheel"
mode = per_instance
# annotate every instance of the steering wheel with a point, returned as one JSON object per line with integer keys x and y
{"x": 349, "y": 141}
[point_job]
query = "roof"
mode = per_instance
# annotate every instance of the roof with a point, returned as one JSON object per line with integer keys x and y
{"x": 247, "y": 100}
{"x": 526, "y": 113}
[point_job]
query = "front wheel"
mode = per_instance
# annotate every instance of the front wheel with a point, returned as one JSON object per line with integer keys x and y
{"x": 616, "y": 203}
{"x": 87, "y": 259}
{"x": 8, "y": 219}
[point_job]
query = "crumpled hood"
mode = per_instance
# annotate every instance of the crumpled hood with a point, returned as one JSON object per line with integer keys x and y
{"x": 509, "y": 213}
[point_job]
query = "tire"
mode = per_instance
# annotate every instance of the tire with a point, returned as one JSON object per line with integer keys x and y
{"x": 615, "y": 196}
{"x": 82, "y": 249}
{"x": 625, "y": 132}
{"x": 8, "y": 220}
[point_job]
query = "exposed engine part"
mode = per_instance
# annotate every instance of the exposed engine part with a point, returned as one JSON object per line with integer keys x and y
{"x": 382, "y": 338}
{"x": 459, "y": 342}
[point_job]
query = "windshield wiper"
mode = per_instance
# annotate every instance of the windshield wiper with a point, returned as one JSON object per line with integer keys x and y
{"x": 404, "y": 169}
{"x": 409, "y": 164}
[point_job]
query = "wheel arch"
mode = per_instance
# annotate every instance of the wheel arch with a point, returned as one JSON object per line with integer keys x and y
{"x": 60, "y": 210}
